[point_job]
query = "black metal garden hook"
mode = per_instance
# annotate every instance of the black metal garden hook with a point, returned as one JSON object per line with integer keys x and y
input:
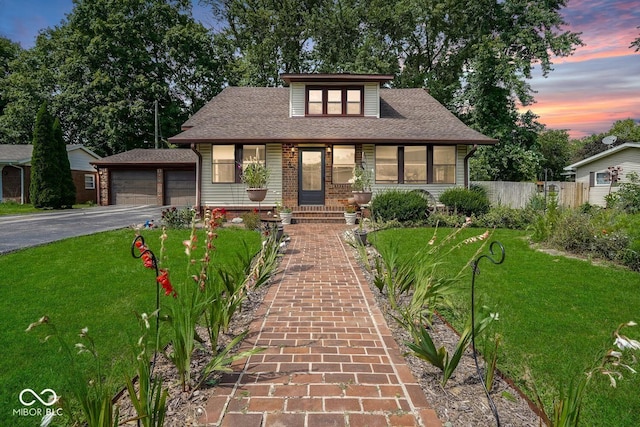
{"x": 476, "y": 271}
{"x": 138, "y": 250}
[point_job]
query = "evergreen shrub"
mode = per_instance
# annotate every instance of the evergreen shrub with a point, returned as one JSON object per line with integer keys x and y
{"x": 400, "y": 205}
{"x": 466, "y": 201}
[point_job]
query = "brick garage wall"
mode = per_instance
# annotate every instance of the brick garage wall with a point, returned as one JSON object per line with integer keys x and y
{"x": 84, "y": 195}
{"x": 103, "y": 186}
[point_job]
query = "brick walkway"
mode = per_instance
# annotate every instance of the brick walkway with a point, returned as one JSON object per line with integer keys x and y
{"x": 330, "y": 359}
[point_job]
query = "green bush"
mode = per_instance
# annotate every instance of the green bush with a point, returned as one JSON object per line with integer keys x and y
{"x": 399, "y": 205}
{"x": 627, "y": 198}
{"x": 177, "y": 218}
{"x": 251, "y": 220}
{"x": 506, "y": 217}
{"x": 466, "y": 201}
{"x": 574, "y": 232}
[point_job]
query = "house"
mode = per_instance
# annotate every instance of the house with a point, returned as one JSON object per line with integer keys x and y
{"x": 148, "y": 177}
{"x": 15, "y": 172}
{"x": 594, "y": 173}
{"x": 312, "y": 133}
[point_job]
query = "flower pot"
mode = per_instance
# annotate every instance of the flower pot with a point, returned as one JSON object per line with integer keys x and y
{"x": 350, "y": 218}
{"x": 361, "y": 236}
{"x": 362, "y": 197}
{"x": 257, "y": 194}
{"x": 286, "y": 217}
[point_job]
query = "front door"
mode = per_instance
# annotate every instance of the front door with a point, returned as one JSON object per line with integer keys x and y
{"x": 311, "y": 176}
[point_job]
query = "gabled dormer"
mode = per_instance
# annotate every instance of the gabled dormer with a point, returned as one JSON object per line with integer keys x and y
{"x": 335, "y": 95}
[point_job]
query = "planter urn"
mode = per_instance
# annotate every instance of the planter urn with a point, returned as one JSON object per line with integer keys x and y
{"x": 350, "y": 218}
{"x": 286, "y": 217}
{"x": 362, "y": 197}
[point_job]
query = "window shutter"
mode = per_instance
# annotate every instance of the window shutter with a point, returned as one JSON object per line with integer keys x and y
{"x": 592, "y": 179}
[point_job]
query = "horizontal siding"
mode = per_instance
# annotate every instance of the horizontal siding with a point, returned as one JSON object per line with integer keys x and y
{"x": 628, "y": 159}
{"x": 79, "y": 161}
{"x": 230, "y": 195}
{"x": 372, "y": 100}
{"x": 296, "y": 100}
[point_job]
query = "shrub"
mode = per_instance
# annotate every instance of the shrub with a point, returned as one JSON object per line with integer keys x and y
{"x": 177, "y": 218}
{"x": 627, "y": 198}
{"x": 574, "y": 232}
{"x": 466, "y": 201}
{"x": 399, "y": 205}
{"x": 505, "y": 217}
{"x": 251, "y": 220}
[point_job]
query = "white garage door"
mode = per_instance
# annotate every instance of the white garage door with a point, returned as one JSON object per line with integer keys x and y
{"x": 180, "y": 188}
{"x": 133, "y": 187}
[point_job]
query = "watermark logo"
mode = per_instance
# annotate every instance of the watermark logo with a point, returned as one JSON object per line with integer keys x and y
{"x": 46, "y": 397}
{"x": 53, "y": 397}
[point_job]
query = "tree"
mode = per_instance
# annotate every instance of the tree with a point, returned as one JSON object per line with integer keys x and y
{"x": 45, "y": 186}
{"x": 556, "y": 151}
{"x": 624, "y": 130}
{"x": 636, "y": 44}
{"x": 65, "y": 179}
{"x": 8, "y": 52}
{"x": 103, "y": 68}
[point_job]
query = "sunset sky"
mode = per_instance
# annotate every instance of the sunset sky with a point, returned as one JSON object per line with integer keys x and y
{"x": 584, "y": 94}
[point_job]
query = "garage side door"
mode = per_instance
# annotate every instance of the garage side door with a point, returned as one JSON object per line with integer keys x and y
{"x": 180, "y": 188}
{"x": 133, "y": 187}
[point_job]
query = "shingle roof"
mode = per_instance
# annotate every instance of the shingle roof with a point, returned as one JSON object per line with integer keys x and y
{"x": 21, "y": 153}
{"x": 141, "y": 156}
{"x": 15, "y": 153}
{"x": 240, "y": 114}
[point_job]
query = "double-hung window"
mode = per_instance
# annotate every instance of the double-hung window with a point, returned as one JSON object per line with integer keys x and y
{"x": 228, "y": 161}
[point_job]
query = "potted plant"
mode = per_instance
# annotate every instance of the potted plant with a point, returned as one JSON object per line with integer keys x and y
{"x": 361, "y": 185}
{"x": 285, "y": 215}
{"x": 360, "y": 233}
{"x": 350, "y": 214}
{"x": 255, "y": 176}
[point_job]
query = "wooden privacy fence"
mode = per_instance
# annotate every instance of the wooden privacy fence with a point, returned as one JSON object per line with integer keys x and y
{"x": 518, "y": 194}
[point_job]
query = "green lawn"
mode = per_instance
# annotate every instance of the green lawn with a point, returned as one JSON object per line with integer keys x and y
{"x": 12, "y": 208}
{"x": 90, "y": 281}
{"x": 556, "y": 315}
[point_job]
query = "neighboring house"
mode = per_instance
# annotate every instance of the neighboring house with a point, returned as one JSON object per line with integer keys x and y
{"x": 148, "y": 177}
{"x": 312, "y": 133}
{"x": 594, "y": 174}
{"x": 15, "y": 172}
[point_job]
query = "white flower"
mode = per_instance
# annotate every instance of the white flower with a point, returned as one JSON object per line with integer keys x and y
{"x": 623, "y": 343}
{"x": 495, "y": 316}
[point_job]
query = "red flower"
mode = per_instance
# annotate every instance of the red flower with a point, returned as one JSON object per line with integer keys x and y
{"x": 163, "y": 279}
{"x": 147, "y": 260}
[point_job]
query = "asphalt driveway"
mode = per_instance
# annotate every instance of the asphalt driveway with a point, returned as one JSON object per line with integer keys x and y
{"x": 23, "y": 231}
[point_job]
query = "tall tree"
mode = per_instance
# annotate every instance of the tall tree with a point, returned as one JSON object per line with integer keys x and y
{"x": 65, "y": 179}
{"x": 556, "y": 150}
{"x": 45, "y": 189}
{"x": 111, "y": 59}
{"x": 8, "y": 52}
{"x": 627, "y": 130}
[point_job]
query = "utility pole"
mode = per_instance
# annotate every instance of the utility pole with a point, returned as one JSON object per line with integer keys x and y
{"x": 155, "y": 127}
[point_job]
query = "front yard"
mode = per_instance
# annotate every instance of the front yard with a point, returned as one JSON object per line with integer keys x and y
{"x": 90, "y": 281}
{"x": 556, "y": 315}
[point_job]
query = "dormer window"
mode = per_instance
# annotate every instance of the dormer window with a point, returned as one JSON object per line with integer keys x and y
{"x": 335, "y": 101}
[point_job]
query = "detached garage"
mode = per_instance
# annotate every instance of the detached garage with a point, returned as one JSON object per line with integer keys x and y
{"x": 148, "y": 177}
